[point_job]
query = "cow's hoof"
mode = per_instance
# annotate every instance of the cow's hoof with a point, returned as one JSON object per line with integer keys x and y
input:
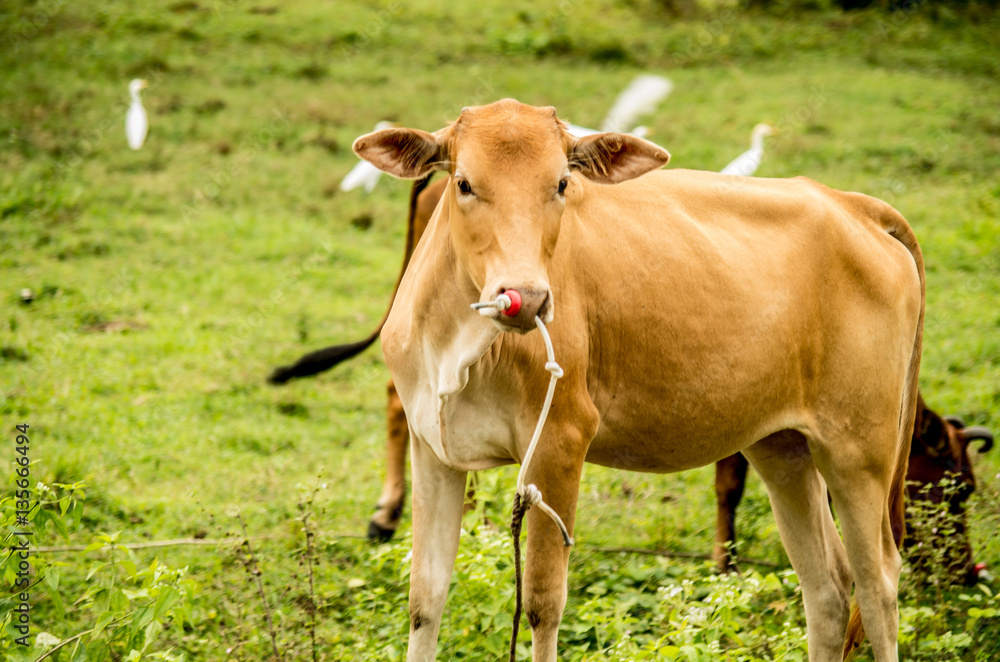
{"x": 378, "y": 534}
{"x": 728, "y": 569}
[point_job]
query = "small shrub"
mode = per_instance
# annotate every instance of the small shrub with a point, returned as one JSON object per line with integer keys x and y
{"x": 122, "y": 612}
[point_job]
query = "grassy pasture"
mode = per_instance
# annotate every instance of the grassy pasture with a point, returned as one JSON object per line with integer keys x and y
{"x": 168, "y": 281}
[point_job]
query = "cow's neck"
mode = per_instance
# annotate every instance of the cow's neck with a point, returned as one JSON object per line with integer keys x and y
{"x": 456, "y": 336}
{"x": 435, "y": 343}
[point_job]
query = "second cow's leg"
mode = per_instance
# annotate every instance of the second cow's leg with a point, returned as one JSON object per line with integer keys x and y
{"x": 390, "y": 505}
{"x": 730, "y": 479}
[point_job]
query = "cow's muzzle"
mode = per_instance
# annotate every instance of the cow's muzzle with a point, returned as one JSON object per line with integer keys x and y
{"x": 535, "y": 301}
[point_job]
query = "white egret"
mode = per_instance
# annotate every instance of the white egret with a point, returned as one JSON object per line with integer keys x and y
{"x": 582, "y": 131}
{"x": 746, "y": 164}
{"x": 136, "y": 124}
{"x": 639, "y": 98}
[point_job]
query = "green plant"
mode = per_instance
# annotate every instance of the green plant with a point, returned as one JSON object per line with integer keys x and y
{"x": 266, "y": 631}
{"x": 939, "y": 618}
{"x": 937, "y": 546}
{"x": 964, "y": 625}
{"x": 125, "y": 607}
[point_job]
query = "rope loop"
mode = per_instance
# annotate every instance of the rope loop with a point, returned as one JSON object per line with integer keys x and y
{"x": 531, "y": 496}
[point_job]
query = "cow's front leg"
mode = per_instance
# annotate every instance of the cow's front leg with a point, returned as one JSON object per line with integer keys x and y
{"x": 557, "y": 474}
{"x": 438, "y": 496}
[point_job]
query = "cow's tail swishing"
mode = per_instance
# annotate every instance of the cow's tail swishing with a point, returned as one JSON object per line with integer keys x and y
{"x": 328, "y": 357}
{"x": 894, "y": 223}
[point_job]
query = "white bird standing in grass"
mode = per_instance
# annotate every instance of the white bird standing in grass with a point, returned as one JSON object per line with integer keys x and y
{"x": 136, "y": 124}
{"x": 747, "y": 163}
{"x": 639, "y": 98}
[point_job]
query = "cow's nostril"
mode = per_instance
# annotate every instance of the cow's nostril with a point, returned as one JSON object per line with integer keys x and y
{"x": 515, "y": 303}
{"x": 543, "y": 310}
{"x": 535, "y": 302}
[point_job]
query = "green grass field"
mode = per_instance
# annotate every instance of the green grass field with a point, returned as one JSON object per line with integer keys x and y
{"x": 168, "y": 282}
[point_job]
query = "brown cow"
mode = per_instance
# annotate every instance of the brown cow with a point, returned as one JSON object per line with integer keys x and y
{"x": 939, "y": 444}
{"x": 694, "y": 314}
{"x": 939, "y": 450}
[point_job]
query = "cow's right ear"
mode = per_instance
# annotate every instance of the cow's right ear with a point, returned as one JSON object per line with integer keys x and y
{"x": 405, "y": 153}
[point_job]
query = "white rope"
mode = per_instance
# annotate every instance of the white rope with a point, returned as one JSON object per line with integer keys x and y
{"x": 530, "y": 493}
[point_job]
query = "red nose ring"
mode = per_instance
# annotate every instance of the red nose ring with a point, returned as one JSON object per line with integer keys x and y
{"x": 515, "y": 303}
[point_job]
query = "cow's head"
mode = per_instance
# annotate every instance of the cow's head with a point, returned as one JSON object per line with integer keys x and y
{"x": 512, "y": 171}
{"x": 939, "y": 453}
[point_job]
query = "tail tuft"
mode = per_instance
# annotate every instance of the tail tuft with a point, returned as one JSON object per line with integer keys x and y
{"x": 320, "y": 361}
{"x": 855, "y": 632}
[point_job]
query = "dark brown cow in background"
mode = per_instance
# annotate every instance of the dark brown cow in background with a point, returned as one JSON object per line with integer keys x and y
{"x": 943, "y": 453}
{"x": 939, "y": 449}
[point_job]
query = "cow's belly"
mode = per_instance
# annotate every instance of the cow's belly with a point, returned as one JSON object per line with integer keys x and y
{"x": 664, "y": 444}
{"x": 646, "y": 428}
{"x": 684, "y": 390}
{"x": 695, "y": 417}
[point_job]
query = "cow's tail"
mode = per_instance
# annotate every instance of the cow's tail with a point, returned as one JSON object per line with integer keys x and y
{"x": 326, "y": 358}
{"x": 896, "y": 225}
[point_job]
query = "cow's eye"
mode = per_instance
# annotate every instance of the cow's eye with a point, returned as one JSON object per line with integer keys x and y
{"x": 563, "y": 183}
{"x": 464, "y": 187}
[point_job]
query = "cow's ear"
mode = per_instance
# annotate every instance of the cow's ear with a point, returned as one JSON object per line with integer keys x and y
{"x": 405, "y": 153}
{"x": 609, "y": 158}
{"x": 932, "y": 433}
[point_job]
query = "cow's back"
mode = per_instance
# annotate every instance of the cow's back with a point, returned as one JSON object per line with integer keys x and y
{"x": 729, "y": 308}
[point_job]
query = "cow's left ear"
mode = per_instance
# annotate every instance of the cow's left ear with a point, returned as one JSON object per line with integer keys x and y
{"x": 610, "y": 158}
{"x": 405, "y": 153}
{"x": 932, "y": 433}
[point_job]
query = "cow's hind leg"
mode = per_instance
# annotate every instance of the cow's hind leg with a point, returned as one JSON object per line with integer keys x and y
{"x": 799, "y": 500}
{"x": 859, "y": 484}
{"x": 390, "y": 505}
